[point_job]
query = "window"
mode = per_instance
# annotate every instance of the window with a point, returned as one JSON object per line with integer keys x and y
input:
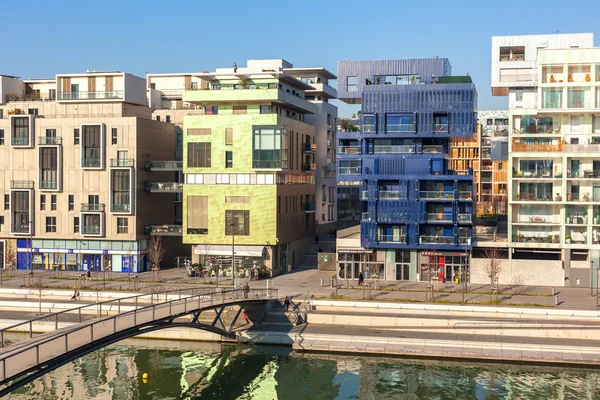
{"x": 575, "y": 123}
{"x": 199, "y": 131}
{"x": 229, "y": 159}
{"x": 1, "y": 224}
{"x": 42, "y": 202}
{"x": 6, "y": 202}
{"x": 32, "y": 111}
{"x": 1, "y": 137}
{"x": 199, "y": 155}
{"x": 92, "y": 142}
{"x": 351, "y": 83}
{"x": 76, "y": 224}
{"x": 48, "y": 168}
{"x": 272, "y": 86}
{"x": 229, "y": 136}
{"x": 265, "y": 109}
{"x": 211, "y": 110}
{"x": 53, "y": 202}
{"x": 1, "y": 113}
{"x": 121, "y": 192}
{"x": 197, "y": 215}
{"x": 76, "y": 136}
{"x": 50, "y": 133}
{"x": 237, "y": 199}
{"x": 20, "y": 131}
{"x": 115, "y": 135}
{"x": 237, "y": 110}
{"x": 168, "y": 118}
{"x": 406, "y": 123}
{"x": 267, "y": 148}
{"x": 122, "y": 225}
{"x": 519, "y": 94}
{"x": 71, "y": 202}
{"x": 158, "y": 117}
{"x": 237, "y": 222}
{"x": 50, "y": 224}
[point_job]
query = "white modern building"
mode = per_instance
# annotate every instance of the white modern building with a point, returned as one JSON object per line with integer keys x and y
{"x": 553, "y": 86}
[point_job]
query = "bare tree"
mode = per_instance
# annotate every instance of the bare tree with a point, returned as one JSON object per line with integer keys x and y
{"x": 493, "y": 267}
{"x": 10, "y": 256}
{"x": 156, "y": 252}
{"x": 207, "y": 261}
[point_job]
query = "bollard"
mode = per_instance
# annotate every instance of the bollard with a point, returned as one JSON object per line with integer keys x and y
{"x": 556, "y": 301}
{"x": 331, "y": 282}
{"x": 321, "y": 282}
{"x": 553, "y": 291}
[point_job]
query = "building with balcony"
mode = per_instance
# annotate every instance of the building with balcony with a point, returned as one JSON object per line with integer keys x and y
{"x": 486, "y": 154}
{"x": 249, "y": 163}
{"x": 414, "y": 210}
{"x": 72, "y": 152}
{"x": 554, "y": 182}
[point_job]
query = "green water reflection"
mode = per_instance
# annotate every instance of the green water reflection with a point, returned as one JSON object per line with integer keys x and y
{"x": 187, "y": 370}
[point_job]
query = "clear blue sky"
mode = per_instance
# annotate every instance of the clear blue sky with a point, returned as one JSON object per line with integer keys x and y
{"x": 51, "y": 37}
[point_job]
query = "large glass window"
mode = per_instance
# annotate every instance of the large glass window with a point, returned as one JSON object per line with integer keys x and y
{"x": 369, "y": 124}
{"x": 48, "y": 168}
{"x": 267, "y": 151}
{"x": 576, "y": 98}
{"x": 121, "y": 194}
{"x": 20, "y": 131}
{"x": 536, "y": 168}
{"x": 349, "y": 167}
{"x": 91, "y": 151}
{"x": 20, "y": 212}
{"x": 551, "y": 98}
{"x": 237, "y": 222}
{"x": 352, "y": 83}
{"x": 197, "y": 215}
{"x": 199, "y": 155}
{"x": 539, "y": 125}
{"x": 399, "y": 123}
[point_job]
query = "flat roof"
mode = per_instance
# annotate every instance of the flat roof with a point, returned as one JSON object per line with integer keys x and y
{"x": 320, "y": 70}
{"x": 9, "y": 76}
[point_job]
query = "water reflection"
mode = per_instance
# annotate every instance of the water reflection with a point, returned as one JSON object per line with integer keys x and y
{"x": 188, "y": 370}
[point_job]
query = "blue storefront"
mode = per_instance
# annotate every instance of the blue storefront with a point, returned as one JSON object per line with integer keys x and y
{"x": 82, "y": 255}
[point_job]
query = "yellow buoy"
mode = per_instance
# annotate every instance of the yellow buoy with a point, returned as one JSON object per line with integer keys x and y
{"x": 144, "y": 376}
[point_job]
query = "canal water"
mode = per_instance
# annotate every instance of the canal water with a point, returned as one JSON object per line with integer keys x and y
{"x": 191, "y": 370}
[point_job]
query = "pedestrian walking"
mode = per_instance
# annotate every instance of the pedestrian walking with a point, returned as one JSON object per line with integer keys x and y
{"x": 287, "y": 303}
{"x": 88, "y": 275}
{"x": 75, "y": 295}
{"x": 246, "y": 290}
{"x": 316, "y": 239}
{"x": 246, "y": 317}
{"x": 256, "y": 273}
{"x": 361, "y": 279}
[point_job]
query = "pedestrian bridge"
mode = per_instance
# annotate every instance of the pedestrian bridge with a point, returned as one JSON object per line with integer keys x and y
{"x": 97, "y": 325}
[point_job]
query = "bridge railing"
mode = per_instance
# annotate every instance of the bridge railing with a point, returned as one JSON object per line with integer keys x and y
{"x": 17, "y": 359}
{"x": 90, "y": 311}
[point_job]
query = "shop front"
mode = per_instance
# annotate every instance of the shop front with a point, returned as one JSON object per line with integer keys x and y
{"x": 217, "y": 259}
{"x": 443, "y": 266}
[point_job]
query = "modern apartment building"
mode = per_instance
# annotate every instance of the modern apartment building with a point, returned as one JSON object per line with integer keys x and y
{"x": 486, "y": 153}
{"x": 553, "y": 87}
{"x": 72, "y": 155}
{"x": 249, "y": 163}
{"x": 415, "y": 211}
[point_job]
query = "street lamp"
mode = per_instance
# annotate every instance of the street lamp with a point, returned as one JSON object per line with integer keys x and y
{"x": 592, "y": 279}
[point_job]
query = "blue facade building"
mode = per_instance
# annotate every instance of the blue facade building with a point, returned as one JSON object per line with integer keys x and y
{"x": 414, "y": 212}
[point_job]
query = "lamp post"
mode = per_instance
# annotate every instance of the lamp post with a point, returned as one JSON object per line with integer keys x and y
{"x": 233, "y": 252}
{"x": 592, "y": 279}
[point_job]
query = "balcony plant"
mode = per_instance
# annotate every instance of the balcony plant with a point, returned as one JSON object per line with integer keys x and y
{"x": 555, "y": 239}
{"x": 588, "y": 173}
{"x": 586, "y": 196}
{"x": 568, "y": 238}
{"x": 558, "y": 197}
{"x": 520, "y": 237}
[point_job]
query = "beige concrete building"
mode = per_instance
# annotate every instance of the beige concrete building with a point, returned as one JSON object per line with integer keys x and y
{"x": 73, "y": 152}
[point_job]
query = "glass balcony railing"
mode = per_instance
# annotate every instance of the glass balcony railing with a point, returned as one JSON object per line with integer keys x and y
{"x": 104, "y": 95}
{"x": 91, "y": 163}
{"x": 393, "y": 149}
{"x": 369, "y": 128}
{"x": 576, "y": 219}
{"x": 310, "y": 207}
{"x": 439, "y": 217}
{"x": 92, "y": 207}
{"x": 349, "y": 150}
{"x": 364, "y": 195}
{"x": 465, "y": 217}
{"x": 20, "y": 141}
{"x": 433, "y": 149}
{"x": 349, "y": 171}
{"x": 464, "y": 241}
{"x": 400, "y": 128}
{"x": 163, "y": 230}
{"x": 50, "y": 140}
{"x": 398, "y": 238}
{"x": 120, "y": 208}
{"x": 163, "y": 165}
{"x": 164, "y": 186}
{"x": 388, "y": 195}
{"x": 171, "y": 92}
{"x": 440, "y": 127}
{"x": 90, "y": 230}
{"x": 447, "y": 240}
{"x": 48, "y": 185}
{"x": 464, "y": 195}
{"x": 436, "y": 195}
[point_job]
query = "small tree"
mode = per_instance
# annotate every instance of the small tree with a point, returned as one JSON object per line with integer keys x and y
{"x": 493, "y": 267}
{"x": 156, "y": 252}
{"x": 10, "y": 255}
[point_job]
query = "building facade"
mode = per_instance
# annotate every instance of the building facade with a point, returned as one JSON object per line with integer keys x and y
{"x": 72, "y": 171}
{"x": 249, "y": 163}
{"x": 554, "y": 138}
{"x": 415, "y": 211}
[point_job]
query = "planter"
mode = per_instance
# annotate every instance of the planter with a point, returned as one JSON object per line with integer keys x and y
{"x": 568, "y": 241}
{"x": 587, "y": 78}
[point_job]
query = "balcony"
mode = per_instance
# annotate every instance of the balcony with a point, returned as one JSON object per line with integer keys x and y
{"x": 349, "y": 150}
{"x": 433, "y": 149}
{"x": 464, "y": 241}
{"x": 160, "y": 187}
{"x": 464, "y": 195}
{"x": 393, "y": 149}
{"x": 440, "y": 128}
{"x": 439, "y": 217}
{"x": 400, "y": 128}
{"x": 163, "y": 230}
{"x": 582, "y": 148}
{"x": 364, "y": 195}
{"x": 115, "y": 94}
{"x": 92, "y": 207}
{"x": 388, "y": 195}
{"x": 310, "y": 147}
{"x": 48, "y": 185}
{"x": 120, "y": 162}
{"x": 524, "y": 145}
{"x": 308, "y": 167}
{"x": 310, "y": 207}
{"x": 465, "y": 217}
{"x": 163, "y": 166}
{"x": 20, "y": 229}
{"x": 50, "y": 141}
{"x": 369, "y": 128}
{"x": 22, "y": 184}
{"x": 436, "y": 195}
{"x": 576, "y": 220}
{"x": 536, "y": 197}
{"x": 349, "y": 171}
{"x": 398, "y": 238}
{"x": 19, "y": 141}
{"x": 171, "y": 92}
{"x": 36, "y": 96}
{"x": 91, "y": 230}
{"x": 120, "y": 208}
{"x": 442, "y": 240}
{"x": 197, "y": 231}
{"x": 91, "y": 163}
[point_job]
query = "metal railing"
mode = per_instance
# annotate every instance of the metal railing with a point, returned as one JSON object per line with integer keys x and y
{"x": 91, "y": 163}
{"x": 93, "y": 207}
{"x": 101, "y": 325}
{"x": 439, "y": 217}
{"x": 393, "y": 149}
{"x": 436, "y": 195}
{"x": 448, "y": 240}
{"x": 400, "y": 128}
{"x": 22, "y": 184}
{"x": 115, "y": 94}
{"x": 172, "y": 92}
{"x": 50, "y": 140}
{"x": 401, "y": 238}
{"x": 122, "y": 162}
{"x": 388, "y": 195}
{"x": 48, "y": 184}
{"x": 164, "y": 186}
{"x": 120, "y": 207}
{"x": 19, "y": 141}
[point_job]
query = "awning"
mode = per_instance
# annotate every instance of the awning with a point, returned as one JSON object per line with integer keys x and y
{"x": 225, "y": 250}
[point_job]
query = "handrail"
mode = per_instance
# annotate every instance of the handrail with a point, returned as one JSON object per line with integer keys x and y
{"x": 216, "y": 298}
{"x": 79, "y": 309}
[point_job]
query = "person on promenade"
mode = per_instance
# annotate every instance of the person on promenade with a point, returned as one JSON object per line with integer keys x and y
{"x": 361, "y": 279}
{"x": 89, "y": 275}
{"x": 287, "y": 303}
{"x": 246, "y": 317}
{"x": 75, "y": 295}
{"x": 246, "y": 290}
